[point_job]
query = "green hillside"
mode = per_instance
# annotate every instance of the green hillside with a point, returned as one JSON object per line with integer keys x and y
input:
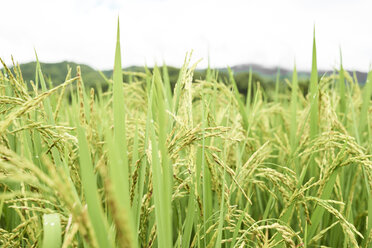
{"x": 56, "y": 73}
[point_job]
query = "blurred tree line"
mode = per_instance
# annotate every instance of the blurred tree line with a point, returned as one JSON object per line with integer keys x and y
{"x": 241, "y": 79}
{"x": 56, "y": 74}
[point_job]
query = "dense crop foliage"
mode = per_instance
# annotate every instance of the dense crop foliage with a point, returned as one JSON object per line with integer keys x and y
{"x": 142, "y": 165}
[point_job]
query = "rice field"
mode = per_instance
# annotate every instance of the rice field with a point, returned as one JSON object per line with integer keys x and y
{"x": 200, "y": 165}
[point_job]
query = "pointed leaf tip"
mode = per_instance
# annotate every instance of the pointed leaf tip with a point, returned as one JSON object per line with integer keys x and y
{"x": 37, "y": 58}
{"x": 118, "y": 31}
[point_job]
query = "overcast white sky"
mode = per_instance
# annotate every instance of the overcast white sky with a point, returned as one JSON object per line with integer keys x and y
{"x": 267, "y": 32}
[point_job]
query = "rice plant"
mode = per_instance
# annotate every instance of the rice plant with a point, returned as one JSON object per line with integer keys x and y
{"x": 142, "y": 165}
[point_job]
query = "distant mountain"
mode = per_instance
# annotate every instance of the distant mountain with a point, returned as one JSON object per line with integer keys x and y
{"x": 57, "y": 72}
{"x": 285, "y": 73}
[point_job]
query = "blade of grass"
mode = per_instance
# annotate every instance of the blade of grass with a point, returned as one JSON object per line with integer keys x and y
{"x": 363, "y": 125}
{"x": 89, "y": 184}
{"x": 189, "y": 221}
{"x": 249, "y": 91}
{"x": 167, "y": 85}
{"x": 367, "y": 92}
{"x": 314, "y": 94}
{"x": 277, "y": 88}
{"x": 293, "y": 128}
{"x": 121, "y": 210}
{"x": 207, "y": 188}
{"x": 242, "y": 109}
{"x": 119, "y": 169}
{"x": 317, "y": 215}
{"x": 238, "y": 226}
{"x": 52, "y": 231}
{"x": 161, "y": 171}
{"x": 342, "y": 90}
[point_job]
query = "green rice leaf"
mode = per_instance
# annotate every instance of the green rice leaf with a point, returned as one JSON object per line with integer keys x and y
{"x": 52, "y": 231}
